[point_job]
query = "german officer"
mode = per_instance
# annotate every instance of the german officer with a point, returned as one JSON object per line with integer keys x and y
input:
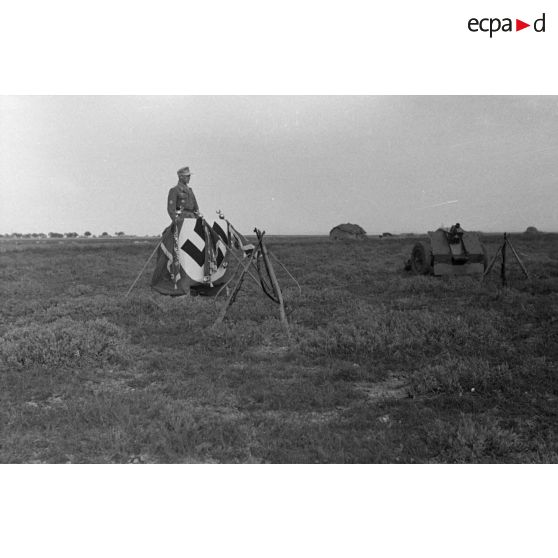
{"x": 182, "y": 203}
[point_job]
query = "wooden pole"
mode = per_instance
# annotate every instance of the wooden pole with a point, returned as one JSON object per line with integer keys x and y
{"x": 517, "y": 258}
{"x": 175, "y": 260}
{"x": 249, "y": 272}
{"x": 275, "y": 283}
{"x": 491, "y": 265}
{"x": 503, "y": 268}
{"x": 507, "y": 242}
{"x": 288, "y": 272}
{"x": 234, "y": 292}
{"x": 142, "y": 270}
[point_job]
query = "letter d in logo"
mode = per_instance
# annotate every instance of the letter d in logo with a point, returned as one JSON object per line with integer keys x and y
{"x": 538, "y": 26}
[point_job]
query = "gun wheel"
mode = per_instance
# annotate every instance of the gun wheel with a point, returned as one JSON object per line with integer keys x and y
{"x": 421, "y": 259}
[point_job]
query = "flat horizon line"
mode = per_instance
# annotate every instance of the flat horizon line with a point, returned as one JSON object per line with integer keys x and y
{"x": 9, "y": 236}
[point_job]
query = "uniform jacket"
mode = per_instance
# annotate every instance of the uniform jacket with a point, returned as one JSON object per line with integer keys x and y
{"x": 182, "y": 198}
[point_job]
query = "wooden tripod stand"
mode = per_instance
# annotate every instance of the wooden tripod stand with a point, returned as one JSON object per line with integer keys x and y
{"x": 259, "y": 251}
{"x": 502, "y": 250}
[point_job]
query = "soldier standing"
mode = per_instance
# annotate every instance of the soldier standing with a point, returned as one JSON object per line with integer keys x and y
{"x": 182, "y": 203}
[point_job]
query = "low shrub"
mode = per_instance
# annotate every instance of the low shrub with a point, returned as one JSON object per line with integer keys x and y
{"x": 403, "y": 336}
{"x": 454, "y": 376}
{"x": 79, "y": 290}
{"x": 238, "y": 337}
{"x": 477, "y": 440}
{"x": 63, "y": 342}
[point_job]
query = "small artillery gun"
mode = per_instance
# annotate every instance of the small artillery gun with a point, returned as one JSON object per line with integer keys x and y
{"x": 453, "y": 252}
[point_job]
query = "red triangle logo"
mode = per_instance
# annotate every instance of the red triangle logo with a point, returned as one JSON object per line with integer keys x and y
{"x": 519, "y": 25}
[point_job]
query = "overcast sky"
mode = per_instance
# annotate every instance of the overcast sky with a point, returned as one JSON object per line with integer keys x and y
{"x": 288, "y": 165}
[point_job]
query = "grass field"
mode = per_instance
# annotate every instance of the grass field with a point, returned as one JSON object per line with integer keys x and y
{"x": 383, "y": 366}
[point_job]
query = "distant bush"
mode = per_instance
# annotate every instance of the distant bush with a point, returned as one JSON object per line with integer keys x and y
{"x": 55, "y": 235}
{"x": 71, "y": 235}
{"x": 63, "y": 342}
{"x": 87, "y": 234}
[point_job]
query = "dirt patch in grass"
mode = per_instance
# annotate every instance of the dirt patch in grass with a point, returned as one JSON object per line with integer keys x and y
{"x": 393, "y": 388}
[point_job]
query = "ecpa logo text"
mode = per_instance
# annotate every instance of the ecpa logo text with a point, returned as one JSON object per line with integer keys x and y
{"x": 492, "y": 25}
